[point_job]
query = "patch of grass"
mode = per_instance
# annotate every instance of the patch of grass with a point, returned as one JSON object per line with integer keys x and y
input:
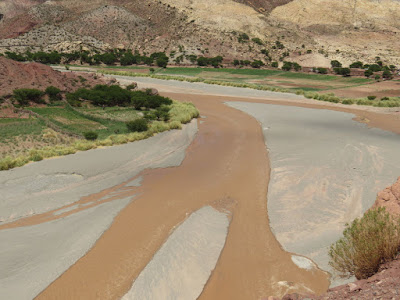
{"x": 10, "y": 128}
{"x": 317, "y": 77}
{"x": 74, "y": 122}
{"x": 366, "y": 243}
{"x": 181, "y": 113}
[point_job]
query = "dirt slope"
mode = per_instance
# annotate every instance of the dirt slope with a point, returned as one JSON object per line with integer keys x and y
{"x": 15, "y": 75}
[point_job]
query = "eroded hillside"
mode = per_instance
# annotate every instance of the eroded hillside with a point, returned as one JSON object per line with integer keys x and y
{"x": 312, "y": 32}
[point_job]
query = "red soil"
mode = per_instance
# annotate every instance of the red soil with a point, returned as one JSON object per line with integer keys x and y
{"x": 14, "y": 75}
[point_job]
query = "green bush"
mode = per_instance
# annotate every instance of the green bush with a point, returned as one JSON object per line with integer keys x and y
{"x": 90, "y": 135}
{"x": 366, "y": 243}
{"x": 336, "y": 64}
{"x": 53, "y": 93}
{"x": 23, "y": 96}
{"x": 138, "y": 125}
{"x": 257, "y": 41}
{"x": 348, "y": 101}
{"x": 371, "y": 97}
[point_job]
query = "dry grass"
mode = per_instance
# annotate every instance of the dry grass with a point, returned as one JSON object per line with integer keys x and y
{"x": 366, "y": 243}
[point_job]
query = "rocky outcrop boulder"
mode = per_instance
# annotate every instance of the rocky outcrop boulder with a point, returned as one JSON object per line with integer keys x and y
{"x": 390, "y": 198}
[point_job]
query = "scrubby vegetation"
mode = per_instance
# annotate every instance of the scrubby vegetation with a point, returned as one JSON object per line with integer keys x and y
{"x": 101, "y": 116}
{"x": 366, "y": 244}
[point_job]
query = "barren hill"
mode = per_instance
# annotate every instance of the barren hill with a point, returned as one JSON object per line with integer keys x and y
{"x": 15, "y": 75}
{"x": 313, "y": 32}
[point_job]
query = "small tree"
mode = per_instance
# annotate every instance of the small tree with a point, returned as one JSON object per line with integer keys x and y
{"x": 356, "y": 65}
{"x": 53, "y": 93}
{"x": 138, "y": 125}
{"x": 274, "y": 64}
{"x": 387, "y": 74}
{"x": 336, "y": 64}
{"x": 90, "y": 135}
{"x": 368, "y": 73}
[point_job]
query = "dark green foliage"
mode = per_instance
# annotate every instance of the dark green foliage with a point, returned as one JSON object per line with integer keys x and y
{"x": 377, "y": 77}
{"x": 356, "y": 65}
{"x": 336, "y": 64}
{"x": 236, "y": 62}
{"x": 15, "y": 56}
{"x": 108, "y": 58}
{"x": 257, "y": 64}
{"x": 274, "y": 64}
{"x": 371, "y": 97}
{"x": 265, "y": 52}
{"x": 342, "y": 71}
{"x": 53, "y": 93}
{"x": 296, "y": 67}
{"x": 368, "y": 73}
{"x": 387, "y": 74}
{"x": 206, "y": 61}
{"x": 161, "y": 59}
{"x": 257, "y": 41}
{"x": 322, "y": 70}
{"x": 47, "y": 58}
{"x": 24, "y": 96}
{"x": 138, "y": 125}
{"x": 287, "y": 66}
{"x": 90, "y": 135}
{"x": 375, "y": 68}
{"x": 243, "y": 37}
{"x": 279, "y": 45}
{"x": 385, "y": 99}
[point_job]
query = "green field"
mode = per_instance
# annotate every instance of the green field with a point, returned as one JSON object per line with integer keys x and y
{"x": 95, "y": 119}
{"x": 292, "y": 81}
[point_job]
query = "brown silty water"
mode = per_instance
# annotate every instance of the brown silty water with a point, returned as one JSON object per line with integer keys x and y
{"x": 225, "y": 167}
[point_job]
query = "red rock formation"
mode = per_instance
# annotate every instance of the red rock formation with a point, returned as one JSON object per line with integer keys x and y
{"x": 390, "y": 198}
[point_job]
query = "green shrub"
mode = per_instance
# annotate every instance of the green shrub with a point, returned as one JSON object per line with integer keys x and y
{"x": 53, "y": 93}
{"x": 257, "y": 41}
{"x": 348, "y": 101}
{"x": 368, "y": 73}
{"x": 243, "y": 37}
{"x": 366, "y": 243}
{"x": 138, "y": 125}
{"x": 23, "y": 96}
{"x": 90, "y": 135}
{"x": 384, "y": 98}
{"x": 336, "y": 64}
{"x": 371, "y": 97}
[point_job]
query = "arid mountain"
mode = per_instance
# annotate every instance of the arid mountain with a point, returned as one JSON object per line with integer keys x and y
{"x": 312, "y": 32}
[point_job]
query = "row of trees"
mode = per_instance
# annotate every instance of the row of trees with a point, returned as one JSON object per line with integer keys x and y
{"x": 114, "y": 95}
